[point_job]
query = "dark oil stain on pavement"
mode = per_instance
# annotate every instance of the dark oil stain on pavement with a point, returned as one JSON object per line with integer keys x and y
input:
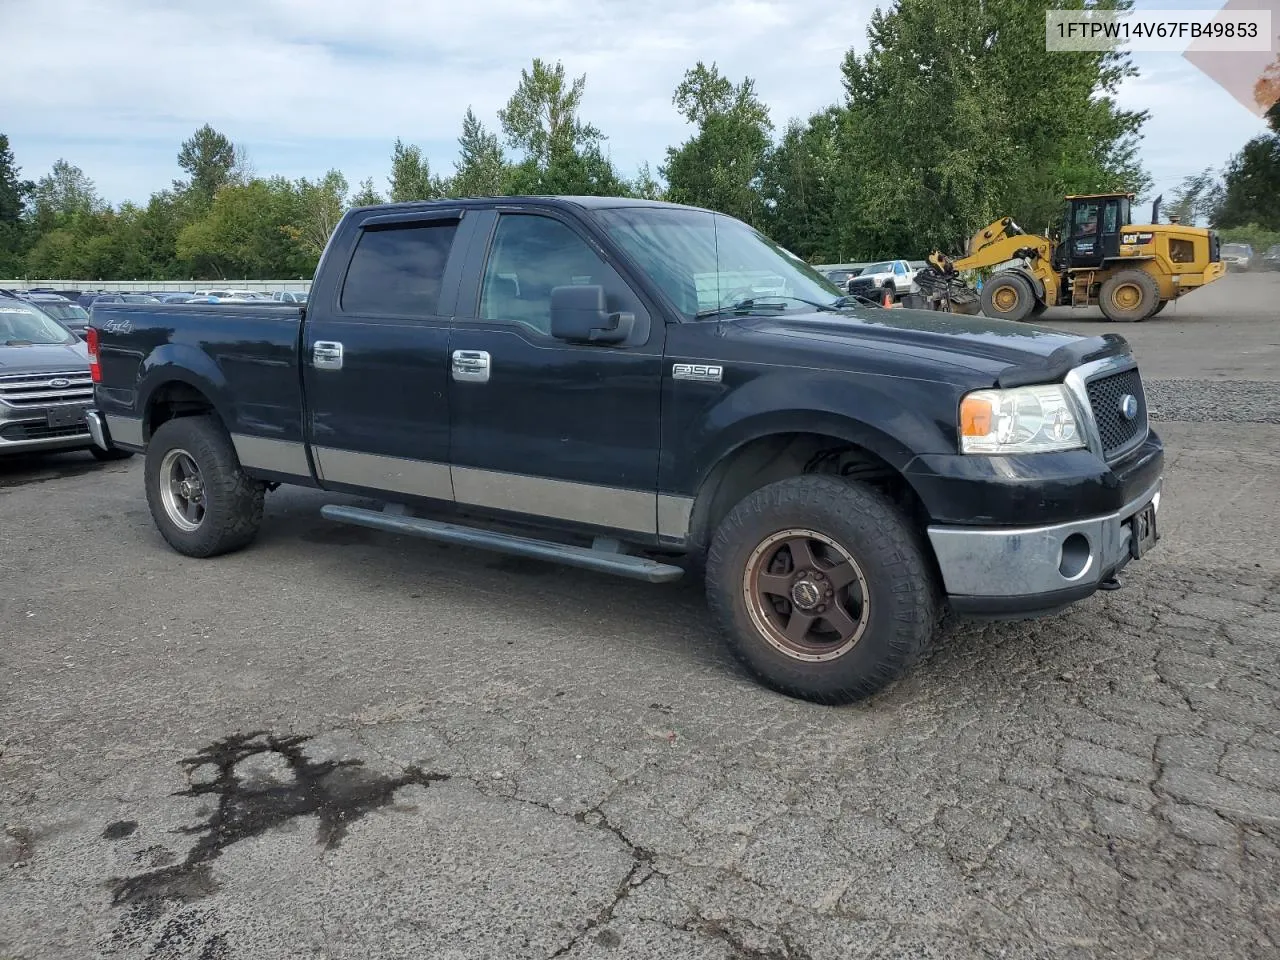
{"x": 119, "y": 830}
{"x": 337, "y": 791}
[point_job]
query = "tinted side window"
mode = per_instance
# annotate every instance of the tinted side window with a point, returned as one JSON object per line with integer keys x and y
{"x": 398, "y": 270}
{"x": 531, "y": 255}
{"x": 1109, "y": 220}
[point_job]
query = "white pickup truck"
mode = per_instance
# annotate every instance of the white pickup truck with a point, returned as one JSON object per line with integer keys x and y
{"x": 895, "y": 277}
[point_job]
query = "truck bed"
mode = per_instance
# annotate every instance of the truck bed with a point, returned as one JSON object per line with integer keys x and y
{"x": 246, "y": 353}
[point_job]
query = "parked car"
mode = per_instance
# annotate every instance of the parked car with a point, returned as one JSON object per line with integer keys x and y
{"x": 71, "y": 315}
{"x": 894, "y": 277}
{"x": 1238, "y": 256}
{"x": 289, "y": 296}
{"x": 1271, "y": 259}
{"x": 174, "y": 297}
{"x": 591, "y": 368}
{"x": 45, "y": 385}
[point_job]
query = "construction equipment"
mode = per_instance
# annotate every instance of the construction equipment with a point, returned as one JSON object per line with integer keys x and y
{"x": 1101, "y": 260}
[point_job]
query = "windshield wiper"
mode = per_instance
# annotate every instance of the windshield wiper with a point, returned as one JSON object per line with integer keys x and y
{"x": 762, "y": 301}
{"x": 19, "y": 343}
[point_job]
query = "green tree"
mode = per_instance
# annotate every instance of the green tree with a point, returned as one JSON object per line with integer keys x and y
{"x": 246, "y": 234}
{"x": 1198, "y": 198}
{"x": 801, "y": 188}
{"x": 366, "y": 195}
{"x": 1251, "y": 186}
{"x": 411, "y": 177}
{"x": 646, "y": 186}
{"x": 14, "y": 192}
{"x": 63, "y": 196}
{"x": 956, "y": 114}
{"x": 560, "y": 152}
{"x": 210, "y": 160}
{"x": 722, "y": 165}
{"x": 481, "y": 168}
{"x": 320, "y": 205}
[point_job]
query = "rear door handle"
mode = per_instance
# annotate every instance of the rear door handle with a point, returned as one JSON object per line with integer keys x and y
{"x": 471, "y": 366}
{"x": 326, "y": 355}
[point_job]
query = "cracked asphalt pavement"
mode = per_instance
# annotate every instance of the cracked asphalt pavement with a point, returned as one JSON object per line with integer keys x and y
{"x": 340, "y": 743}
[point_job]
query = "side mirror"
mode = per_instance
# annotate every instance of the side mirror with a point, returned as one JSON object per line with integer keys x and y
{"x": 578, "y": 314}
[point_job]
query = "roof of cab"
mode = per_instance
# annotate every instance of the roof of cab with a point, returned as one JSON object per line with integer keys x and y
{"x": 586, "y": 203}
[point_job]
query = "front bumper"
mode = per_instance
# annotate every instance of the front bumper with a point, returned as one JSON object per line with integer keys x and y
{"x": 1028, "y": 571}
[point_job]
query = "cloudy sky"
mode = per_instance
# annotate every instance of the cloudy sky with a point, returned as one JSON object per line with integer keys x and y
{"x": 115, "y": 85}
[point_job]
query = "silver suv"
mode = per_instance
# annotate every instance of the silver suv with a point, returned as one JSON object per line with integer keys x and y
{"x": 44, "y": 384}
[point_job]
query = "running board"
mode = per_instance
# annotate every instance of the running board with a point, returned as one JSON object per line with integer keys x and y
{"x": 605, "y": 561}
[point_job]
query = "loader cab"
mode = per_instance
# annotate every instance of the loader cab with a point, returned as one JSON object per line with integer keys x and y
{"x": 1091, "y": 234}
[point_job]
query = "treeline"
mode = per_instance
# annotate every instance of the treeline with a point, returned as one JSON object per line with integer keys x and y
{"x": 953, "y": 115}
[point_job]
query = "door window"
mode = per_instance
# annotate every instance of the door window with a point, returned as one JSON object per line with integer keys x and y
{"x": 1110, "y": 220}
{"x": 398, "y": 270}
{"x": 1086, "y": 220}
{"x": 531, "y": 255}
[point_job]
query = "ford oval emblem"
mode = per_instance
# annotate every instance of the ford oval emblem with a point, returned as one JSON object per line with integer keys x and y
{"x": 1128, "y": 406}
{"x": 59, "y": 382}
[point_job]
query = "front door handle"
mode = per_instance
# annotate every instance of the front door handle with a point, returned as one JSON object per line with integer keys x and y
{"x": 326, "y": 355}
{"x": 471, "y": 366}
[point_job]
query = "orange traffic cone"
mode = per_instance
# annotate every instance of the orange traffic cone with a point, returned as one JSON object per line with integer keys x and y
{"x": 888, "y": 300}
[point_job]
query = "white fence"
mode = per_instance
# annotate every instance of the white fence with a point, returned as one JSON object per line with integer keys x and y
{"x": 171, "y": 286}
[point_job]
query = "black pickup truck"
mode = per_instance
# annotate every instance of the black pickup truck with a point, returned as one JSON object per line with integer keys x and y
{"x": 644, "y": 388}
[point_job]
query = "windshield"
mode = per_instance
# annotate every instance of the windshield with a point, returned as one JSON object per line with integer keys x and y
{"x": 22, "y": 325}
{"x": 704, "y": 260}
{"x": 66, "y": 312}
{"x": 886, "y": 267}
{"x": 1236, "y": 248}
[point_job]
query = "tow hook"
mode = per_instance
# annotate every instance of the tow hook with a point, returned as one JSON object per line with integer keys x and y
{"x": 1111, "y": 583}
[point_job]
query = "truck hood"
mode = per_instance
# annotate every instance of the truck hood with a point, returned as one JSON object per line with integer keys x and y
{"x": 997, "y": 350}
{"x": 44, "y": 358}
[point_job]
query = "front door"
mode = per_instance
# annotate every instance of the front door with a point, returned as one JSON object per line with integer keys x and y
{"x": 1095, "y": 224}
{"x": 540, "y": 426}
{"x": 376, "y": 358}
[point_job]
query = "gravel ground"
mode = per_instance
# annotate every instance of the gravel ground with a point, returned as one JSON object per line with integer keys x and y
{"x": 345, "y": 744}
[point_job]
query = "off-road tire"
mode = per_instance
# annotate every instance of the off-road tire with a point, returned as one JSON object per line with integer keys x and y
{"x": 232, "y": 500}
{"x": 904, "y": 602}
{"x": 1014, "y": 287}
{"x": 1146, "y": 293}
{"x": 1159, "y": 307}
{"x": 115, "y": 453}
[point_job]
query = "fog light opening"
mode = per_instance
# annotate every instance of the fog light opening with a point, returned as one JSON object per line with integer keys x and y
{"x": 1077, "y": 557}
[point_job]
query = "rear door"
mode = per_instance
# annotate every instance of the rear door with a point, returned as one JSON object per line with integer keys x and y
{"x": 540, "y": 426}
{"x": 375, "y": 356}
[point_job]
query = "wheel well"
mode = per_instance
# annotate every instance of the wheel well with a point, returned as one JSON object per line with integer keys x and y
{"x": 766, "y": 460}
{"x": 174, "y": 399}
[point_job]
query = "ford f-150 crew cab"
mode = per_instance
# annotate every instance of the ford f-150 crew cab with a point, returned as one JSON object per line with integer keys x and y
{"x": 601, "y": 382}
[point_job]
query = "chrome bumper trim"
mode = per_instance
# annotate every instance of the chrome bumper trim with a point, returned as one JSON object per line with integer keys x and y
{"x": 1026, "y": 561}
{"x": 97, "y": 429}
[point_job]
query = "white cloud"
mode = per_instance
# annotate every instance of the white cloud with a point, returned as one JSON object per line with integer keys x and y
{"x": 309, "y": 84}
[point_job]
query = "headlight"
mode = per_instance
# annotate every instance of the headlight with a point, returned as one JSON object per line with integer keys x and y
{"x": 1023, "y": 420}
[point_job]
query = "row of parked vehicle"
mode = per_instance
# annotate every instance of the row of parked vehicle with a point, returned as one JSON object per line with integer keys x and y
{"x": 1241, "y": 256}
{"x": 894, "y": 278}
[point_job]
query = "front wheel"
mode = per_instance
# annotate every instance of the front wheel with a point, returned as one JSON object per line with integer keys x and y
{"x": 1008, "y": 297}
{"x": 201, "y": 500}
{"x": 822, "y": 588}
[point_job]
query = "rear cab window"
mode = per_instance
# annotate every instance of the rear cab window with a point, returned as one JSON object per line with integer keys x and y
{"x": 398, "y": 269}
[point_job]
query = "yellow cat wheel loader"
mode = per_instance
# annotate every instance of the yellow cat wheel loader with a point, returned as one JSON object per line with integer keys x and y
{"x": 1101, "y": 259}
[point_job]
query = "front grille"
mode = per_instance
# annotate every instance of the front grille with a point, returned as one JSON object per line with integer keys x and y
{"x": 856, "y": 286}
{"x": 45, "y": 389}
{"x": 1118, "y": 433}
{"x": 41, "y": 431}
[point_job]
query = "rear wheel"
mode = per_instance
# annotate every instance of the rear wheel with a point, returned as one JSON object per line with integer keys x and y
{"x": 201, "y": 500}
{"x": 822, "y": 588}
{"x": 1008, "y": 297}
{"x": 1129, "y": 296}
